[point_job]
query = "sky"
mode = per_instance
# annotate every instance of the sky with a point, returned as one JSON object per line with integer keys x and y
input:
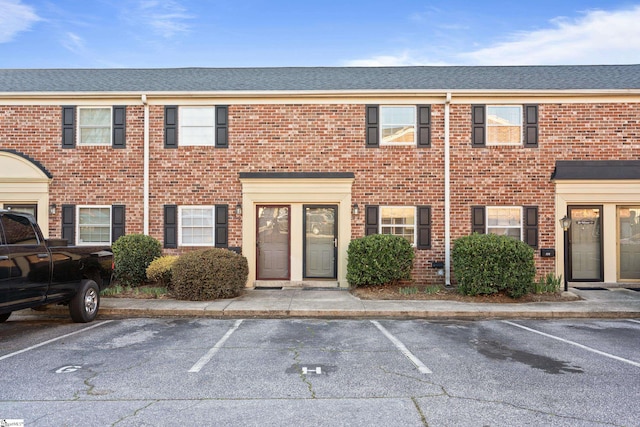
{"x": 275, "y": 33}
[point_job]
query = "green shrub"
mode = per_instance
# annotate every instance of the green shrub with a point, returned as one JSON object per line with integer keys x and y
{"x": 378, "y": 259}
{"x": 132, "y": 255}
{"x": 209, "y": 274}
{"x": 548, "y": 284}
{"x": 488, "y": 264}
{"x": 160, "y": 270}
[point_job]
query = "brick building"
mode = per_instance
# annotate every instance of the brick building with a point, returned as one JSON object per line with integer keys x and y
{"x": 289, "y": 164}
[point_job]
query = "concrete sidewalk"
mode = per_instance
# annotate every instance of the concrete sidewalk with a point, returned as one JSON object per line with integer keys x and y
{"x": 609, "y": 303}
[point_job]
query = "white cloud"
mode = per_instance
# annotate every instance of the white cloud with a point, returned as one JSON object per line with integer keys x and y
{"x": 167, "y": 18}
{"x": 597, "y": 37}
{"x": 15, "y": 18}
{"x": 73, "y": 42}
{"x": 406, "y": 58}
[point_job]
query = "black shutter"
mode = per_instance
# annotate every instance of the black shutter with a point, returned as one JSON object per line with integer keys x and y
{"x": 222, "y": 226}
{"x": 531, "y": 225}
{"x": 478, "y": 125}
{"x": 170, "y": 226}
{"x": 69, "y": 223}
{"x": 531, "y": 126}
{"x": 117, "y": 222}
{"x": 424, "y": 126}
{"x": 478, "y": 220}
{"x": 119, "y": 126}
{"x": 424, "y": 227}
{"x": 371, "y": 213}
{"x": 170, "y": 126}
{"x": 222, "y": 126}
{"x": 372, "y": 125}
{"x": 68, "y": 127}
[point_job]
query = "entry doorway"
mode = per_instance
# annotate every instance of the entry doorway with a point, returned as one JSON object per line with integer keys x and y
{"x": 273, "y": 242}
{"x": 320, "y": 241}
{"x": 585, "y": 244}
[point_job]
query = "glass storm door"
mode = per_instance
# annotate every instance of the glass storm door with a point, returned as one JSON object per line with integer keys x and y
{"x": 585, "y": 243}
{"x": 273, "y": 242}
{"x": 320, "y": 242}
{"x": 629, "y": 243}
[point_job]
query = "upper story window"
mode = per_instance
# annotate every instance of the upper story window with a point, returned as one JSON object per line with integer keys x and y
{"x": 94, "y": 125}
{"x": 399, "y": 220}
{"x": 197, "y": 125}
{"x": 94, "y": 225}
{"x": 196, "y": 225}
{"x": 504, "y": 124}
{"x": 505, "y": 221}
{"x": 398, "y": 125}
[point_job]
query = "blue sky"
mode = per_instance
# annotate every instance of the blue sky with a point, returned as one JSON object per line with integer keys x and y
{"x": 261, "y": 33}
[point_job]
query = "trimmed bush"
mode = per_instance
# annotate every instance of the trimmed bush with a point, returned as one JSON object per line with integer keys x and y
{"x": 488, "y": 264}
{"x": 209, "y": 274}
{"x": 378, "y": 259}
{"x": 160, "y": 270}
{"x": 132, "y": 255}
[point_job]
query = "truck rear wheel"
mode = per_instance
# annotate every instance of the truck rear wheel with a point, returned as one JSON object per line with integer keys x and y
{"x": 83, "y": 307}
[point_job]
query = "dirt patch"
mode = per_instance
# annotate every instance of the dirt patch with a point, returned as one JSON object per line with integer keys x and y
{"x": 425, "y": 293}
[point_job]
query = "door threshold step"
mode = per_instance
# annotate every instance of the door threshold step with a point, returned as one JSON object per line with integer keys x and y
{"x": 291, "y": 284}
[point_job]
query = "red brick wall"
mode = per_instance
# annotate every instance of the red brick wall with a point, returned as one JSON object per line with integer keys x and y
{"x": 326, "y": 138}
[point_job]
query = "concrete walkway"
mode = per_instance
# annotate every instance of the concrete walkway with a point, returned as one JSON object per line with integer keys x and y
{"x": 609, "y": 303}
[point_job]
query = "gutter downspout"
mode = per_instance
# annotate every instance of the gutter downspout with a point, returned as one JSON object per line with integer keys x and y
{"x": 447, "y": 194}
{"x": 145, "y": 185}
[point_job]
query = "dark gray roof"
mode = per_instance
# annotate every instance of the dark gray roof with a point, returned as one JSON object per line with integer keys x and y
{"x": 596, "y": 169}
{"x": 560, "y": 77}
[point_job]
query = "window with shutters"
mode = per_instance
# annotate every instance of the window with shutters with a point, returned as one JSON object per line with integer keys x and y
{"x": 94, "y": 125}
{"x": 197, "y": 125}
{"x": 196, "y": 225}
{"x": 398, "y": 125}
{"x": 504, "y": 125}
{"x": 94, "y": 225}
{"x": 399, "y": 220}
{"x": 505, "y": 221}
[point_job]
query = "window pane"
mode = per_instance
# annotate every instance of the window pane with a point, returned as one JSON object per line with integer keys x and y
{"x": 18, "y": 230}
{"x": 511, "y": 232}
{"x": 629, "y": 241}
{"x": 503, "y": 134}
{"x": 190, "y": 116}
{"x": 95, "y": 117}
{"x": 95, "y": 135}
{"x": 197, "y": 135}
{"x": 504, "y": 116}
{"x": 398, "y": 221}
{"x": 398, "y": 124}
{"x": 503, "y": 217}
{"x": 94, "y": 225}
{"x": 196, "y": 226}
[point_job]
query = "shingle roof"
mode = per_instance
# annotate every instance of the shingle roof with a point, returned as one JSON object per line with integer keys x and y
{"x": 444, "y": 78}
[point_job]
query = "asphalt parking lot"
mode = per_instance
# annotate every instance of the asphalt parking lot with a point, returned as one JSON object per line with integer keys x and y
{"x": 263, "y": 372}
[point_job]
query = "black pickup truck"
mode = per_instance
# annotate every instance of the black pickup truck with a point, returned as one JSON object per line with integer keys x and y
{"x": 35, "y": 272}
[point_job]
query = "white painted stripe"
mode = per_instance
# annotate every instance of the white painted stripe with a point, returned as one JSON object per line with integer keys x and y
{"x": 584, "y": 347}
{"x": 207, "y": 357}
{"x": 632, "y": 320}
{"x": 403, "y": 349}
{"x": 24, "y": 350}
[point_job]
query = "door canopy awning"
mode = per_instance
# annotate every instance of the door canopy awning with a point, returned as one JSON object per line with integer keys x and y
{"x": 596, "y": 170}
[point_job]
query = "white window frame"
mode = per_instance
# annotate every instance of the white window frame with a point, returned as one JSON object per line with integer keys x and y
{"x": 415, "y": 227}
{"x": 182, "y": 139}
{"x": 80, "y": 127}
{"x": 414, "y": 124}
{"x": 487, "y": 126}
{"x": 520, "y": 217}
{"x": 78, "y": 225}
{"x": 213, "y": 225}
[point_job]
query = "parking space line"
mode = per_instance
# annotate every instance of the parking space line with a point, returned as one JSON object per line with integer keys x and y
{"x": 207, "y": 357}
{"x": 632, "y": 320}
{"x": 33, "y": 347}
{"x": 403, "y": 349}
{"x": 584, "y": 347}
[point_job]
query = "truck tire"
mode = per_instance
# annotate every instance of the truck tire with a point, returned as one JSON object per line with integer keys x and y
{"x": 4, "y": 317}
{"x": 83, "y": 307}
